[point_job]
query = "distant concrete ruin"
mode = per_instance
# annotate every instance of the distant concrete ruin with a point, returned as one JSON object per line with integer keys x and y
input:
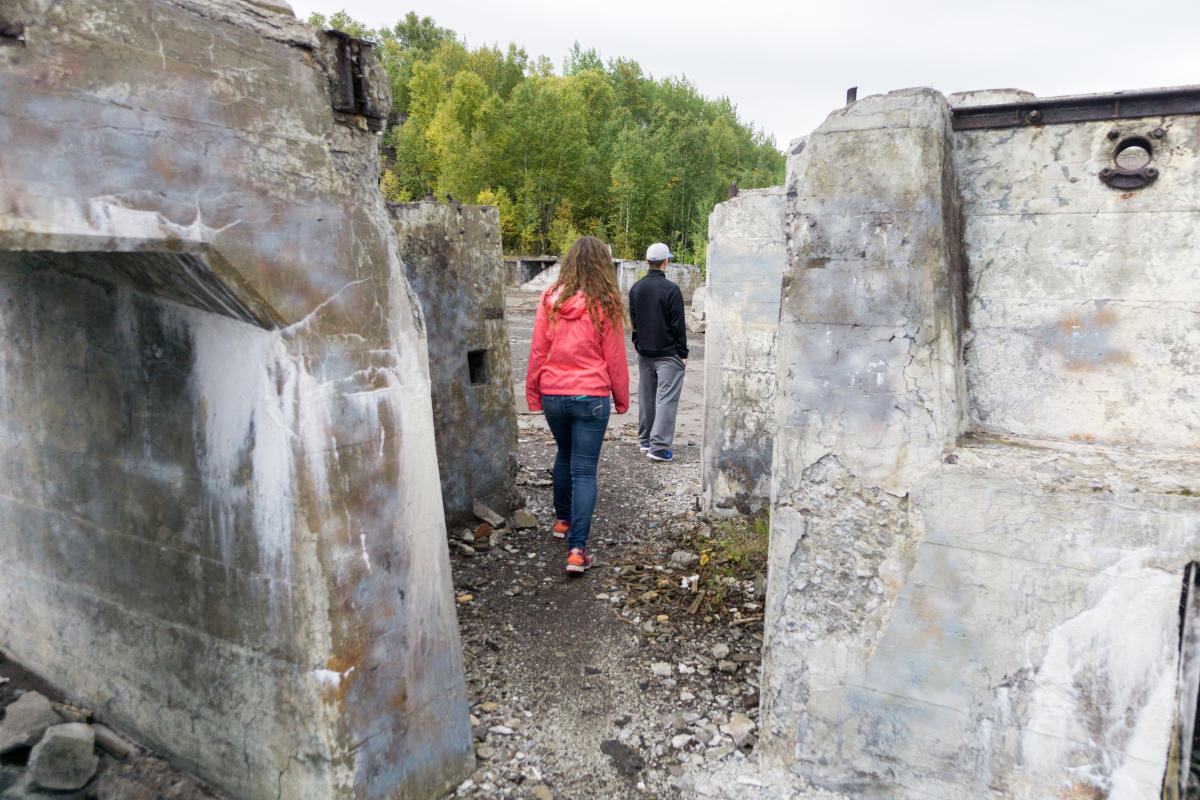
{"x": 220, "y": 514}
{"x": 987, "y": 442}
{"x": 452, "y": 257}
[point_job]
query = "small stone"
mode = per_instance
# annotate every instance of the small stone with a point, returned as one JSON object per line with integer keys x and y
{"x": 497, "y": 538}
{"x": 650, "y": 596}
{"x": 468, "y": 536}
{"x": 523, "y": 519}
{"x": 661, "y": 668}
{"x": 481, "y": 510}
{"x": 112, "y": 742}
{"x": 681, "y": 740}
{"x": 466, "y": 550}
{"x": 682, "y": 559}
{"x": 70, "y": 713}
{"x": 501, "y": 730}
{"x": 26, "y": 721}
{"x": 686, "y": 697}
{"x": 465, "y": 598}
{"x": 542, "y": 792}
{"x": 727, "y": 666}
{"x": 65, "y": 758}
{"x": 489, "y": 707}
{"x": 740, "y": 728}
{"x": 713, "y": 753}
{"x": 720, "y": 651}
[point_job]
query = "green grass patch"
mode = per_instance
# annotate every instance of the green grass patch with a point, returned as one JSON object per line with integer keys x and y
{"x": 736, "y": 547}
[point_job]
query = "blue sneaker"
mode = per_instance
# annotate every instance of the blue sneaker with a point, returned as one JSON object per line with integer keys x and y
{"x": 661, "y": 455}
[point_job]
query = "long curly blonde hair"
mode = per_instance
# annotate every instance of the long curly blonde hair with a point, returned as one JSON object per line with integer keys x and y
{"x": 588, "y": 267}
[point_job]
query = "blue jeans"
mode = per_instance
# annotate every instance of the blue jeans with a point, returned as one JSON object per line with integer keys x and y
{"x": 578, "y": 425}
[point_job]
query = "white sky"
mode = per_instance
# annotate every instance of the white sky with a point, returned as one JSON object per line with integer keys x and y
{"x": 786, "y": 65}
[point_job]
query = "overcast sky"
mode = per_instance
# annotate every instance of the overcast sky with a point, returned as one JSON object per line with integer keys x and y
{"x": 786, "y": 65}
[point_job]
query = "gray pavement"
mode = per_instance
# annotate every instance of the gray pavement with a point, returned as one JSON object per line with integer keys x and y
{"x": 520, "y": 308}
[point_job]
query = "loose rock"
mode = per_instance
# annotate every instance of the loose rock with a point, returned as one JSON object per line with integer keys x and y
{"x": 481, "y": 510}
{"x": 112, "y": 742}
{"x": 739, "y": 728}
{"x": 26, "y": 721}
{"x": 523, "y": 519}
{"x": 682, "y": 559}
{"x": 65, "y": 758}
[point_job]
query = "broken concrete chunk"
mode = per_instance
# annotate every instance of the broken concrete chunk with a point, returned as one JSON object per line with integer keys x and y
{"x": 740, "y": 728}
{"x": 682, "y": 559}
{"x": 26, "y": 721}
{"x": 69, "y": 713}
{"x": 523, "y": 519}
{"x": 65, "y": 758}
{"x": 486, "y": 514}
{"x": 113, "y": 743}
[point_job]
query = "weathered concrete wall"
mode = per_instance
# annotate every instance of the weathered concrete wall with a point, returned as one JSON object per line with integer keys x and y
{"x": 686, "y": 275}
{"x": 972, "y": 604}
{"x": 1084, "y": 295}
{"x": 219, "y": 508}
{"x": 746, "y": 256}
{"x": 455, "y": 266}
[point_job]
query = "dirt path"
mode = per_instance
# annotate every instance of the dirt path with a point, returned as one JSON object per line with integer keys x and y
{"x": 611, "y": 684}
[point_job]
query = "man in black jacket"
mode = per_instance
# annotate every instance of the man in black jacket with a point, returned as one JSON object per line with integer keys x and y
{"x": 660, "y": 338}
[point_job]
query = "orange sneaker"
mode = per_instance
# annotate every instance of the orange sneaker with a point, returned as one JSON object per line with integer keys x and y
{"x": 578, "y": 560}
{"x": 561, "y": 526}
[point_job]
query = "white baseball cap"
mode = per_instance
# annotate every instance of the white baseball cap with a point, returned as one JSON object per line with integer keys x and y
{"x": 658, "y": 252}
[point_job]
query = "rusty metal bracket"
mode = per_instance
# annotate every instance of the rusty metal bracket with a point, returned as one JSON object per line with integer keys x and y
{"x": 1091, "y": 108}
{"x": 351, "y": 89}
{"x": 1128, "y": 178}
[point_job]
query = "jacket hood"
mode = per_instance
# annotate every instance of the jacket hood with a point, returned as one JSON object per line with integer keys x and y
{"x": 573, "y": 308}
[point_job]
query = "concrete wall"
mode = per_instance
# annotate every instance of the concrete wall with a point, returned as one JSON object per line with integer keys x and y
{"x": 219, "y": 512}
{"x": 1084, "y": 295}
{"x": 686, "y": 275}
{"x": 975, "y": 575}
{"x": 454, "y": 264}
{"x": 746, "y": 256}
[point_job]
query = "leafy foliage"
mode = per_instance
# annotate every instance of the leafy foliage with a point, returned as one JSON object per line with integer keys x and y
{"x": 602, "y": 149}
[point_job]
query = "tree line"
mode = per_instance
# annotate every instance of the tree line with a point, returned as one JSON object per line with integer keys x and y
{"x": 602, "y": 149}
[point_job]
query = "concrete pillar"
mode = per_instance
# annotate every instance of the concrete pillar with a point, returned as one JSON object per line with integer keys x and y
{"x": 870, "y": 394}
{"x": 454, "y": 264}
{"x": 746, "y": 256}
{"x": 220, "y": 517}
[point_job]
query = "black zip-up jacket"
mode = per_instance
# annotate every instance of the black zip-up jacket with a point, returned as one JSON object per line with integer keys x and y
{"x": 656, "y": 311}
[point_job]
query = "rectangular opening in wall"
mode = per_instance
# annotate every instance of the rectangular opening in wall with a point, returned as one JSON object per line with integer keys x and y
{"x": 477, "y": 366}
{"x": 1182, "y": 780}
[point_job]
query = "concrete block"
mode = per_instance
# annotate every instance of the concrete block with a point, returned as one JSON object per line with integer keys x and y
{"x": 65, "y": 758}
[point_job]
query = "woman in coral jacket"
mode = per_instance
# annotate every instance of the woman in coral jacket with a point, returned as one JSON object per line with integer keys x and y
{"x": 576, "y": 361}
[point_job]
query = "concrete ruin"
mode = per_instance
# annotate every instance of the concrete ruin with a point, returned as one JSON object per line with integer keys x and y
{"x": 987, "y": 440}
{"x": 220, "y": 515}
{"x": 453, "y": 260}
{"x": 746, "y": 256}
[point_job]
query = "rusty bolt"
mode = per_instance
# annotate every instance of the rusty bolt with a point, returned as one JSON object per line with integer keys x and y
{"x": 1035, "y": 115}
{"x": 1106, "y": 172}
{"x": 1158, "y": 133}
{"x": 1151, "y": 172}
{"x": 1114, "y": 133}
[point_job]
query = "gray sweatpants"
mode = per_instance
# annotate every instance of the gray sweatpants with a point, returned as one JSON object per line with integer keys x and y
{"x": 660, "y": 382}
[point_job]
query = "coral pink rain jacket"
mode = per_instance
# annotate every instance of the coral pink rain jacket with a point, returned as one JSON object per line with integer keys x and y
{"x": 570, "y": 358}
